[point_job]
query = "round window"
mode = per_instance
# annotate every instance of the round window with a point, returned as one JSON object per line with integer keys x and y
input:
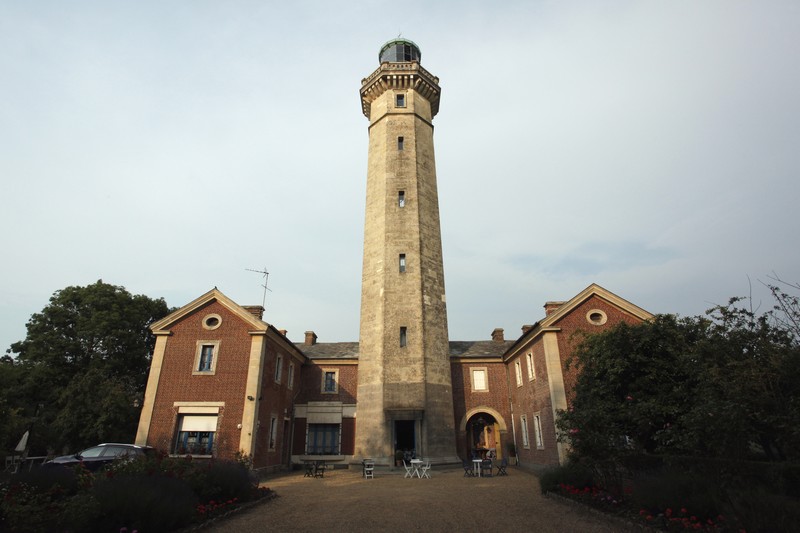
{"x": 212, "y": 321}
{"x": 596, "y": 317}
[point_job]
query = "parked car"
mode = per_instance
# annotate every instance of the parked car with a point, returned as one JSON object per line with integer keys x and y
{"x": 99, "y": 456}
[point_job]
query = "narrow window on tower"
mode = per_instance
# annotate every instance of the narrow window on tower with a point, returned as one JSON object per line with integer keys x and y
{"x": 400, "y": 100}
{"x": 403, "y": 336}
{"x": 400, "y": 144}
{"x": 402, "y": 262}
{"x": 401, "y": 198}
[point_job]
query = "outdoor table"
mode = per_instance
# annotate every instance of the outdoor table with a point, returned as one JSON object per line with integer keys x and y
{"x": 415, "y": 464}
{"x": 476, "y": 467}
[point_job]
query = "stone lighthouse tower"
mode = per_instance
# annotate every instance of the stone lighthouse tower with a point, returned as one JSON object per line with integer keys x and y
{"x": 405, "y": 397}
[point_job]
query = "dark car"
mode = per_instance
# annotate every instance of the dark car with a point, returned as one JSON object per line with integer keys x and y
{"x": 97, "y": 457}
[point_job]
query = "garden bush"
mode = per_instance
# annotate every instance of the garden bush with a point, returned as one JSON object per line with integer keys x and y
{"x": 572, "y": 473}
{"x": 146, "y": 503}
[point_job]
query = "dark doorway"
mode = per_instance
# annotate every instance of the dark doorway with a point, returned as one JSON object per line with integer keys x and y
{"x": 404, "y": 435}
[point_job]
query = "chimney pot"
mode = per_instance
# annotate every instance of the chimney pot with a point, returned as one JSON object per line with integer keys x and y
{"x": 311, "y": 338}
{"x": 255, "y": 310}
{"x": 551, "y": 307}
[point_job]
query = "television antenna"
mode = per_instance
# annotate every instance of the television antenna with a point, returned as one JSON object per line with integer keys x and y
{"x": 265, "y": 275}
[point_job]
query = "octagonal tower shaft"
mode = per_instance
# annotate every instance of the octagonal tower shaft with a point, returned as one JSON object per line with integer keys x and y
{"x": 404, "y": 383}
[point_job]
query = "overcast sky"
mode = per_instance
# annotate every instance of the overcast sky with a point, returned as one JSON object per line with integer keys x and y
{"x": 650, "y": 147}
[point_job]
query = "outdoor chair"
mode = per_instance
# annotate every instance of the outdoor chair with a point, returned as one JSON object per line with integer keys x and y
{"x": 425, "y": 469}
{"x": 486, "y": 468}
{"x": 501, "y": 468}
{"x": 369, "y": 470}
{"x": 309, "y": 469}
{"x": 319, "y": 469}
{"x": 408, "y": 467}
{"x": 469, "y": 471}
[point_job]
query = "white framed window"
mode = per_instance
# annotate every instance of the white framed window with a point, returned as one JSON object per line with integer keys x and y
{"x": 273, "y": 428}
{"x": 523, "y": 421}
{"x": 278, "y": 368}
{"x": 212, "y": 321}
{"x": 537, "y": 431}
{"x": 330, "y": 381}
{"x": 290, "y": 378}
{"x": 195, "y": 434}
{"x": 323, "y": 439}
{"x": 531, "y": 368}
{"x": 205, "y": 358}
{"x": 479, "y": 379}
{"x": 596, "y": 317}
{"x": 518, "y": 370}
{"x": 400, "y": 100}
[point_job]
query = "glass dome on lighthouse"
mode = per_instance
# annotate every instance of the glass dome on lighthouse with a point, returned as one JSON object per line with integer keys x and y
{"x": 399, "y": 50}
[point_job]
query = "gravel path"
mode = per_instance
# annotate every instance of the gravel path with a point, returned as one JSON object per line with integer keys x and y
{"x": 344, "y": 501}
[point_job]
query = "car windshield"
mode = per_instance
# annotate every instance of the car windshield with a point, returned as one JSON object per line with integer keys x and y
{"x": 95, "y": 451}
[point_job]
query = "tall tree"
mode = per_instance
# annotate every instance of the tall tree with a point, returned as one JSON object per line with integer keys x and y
{"x": 83, "y": 365}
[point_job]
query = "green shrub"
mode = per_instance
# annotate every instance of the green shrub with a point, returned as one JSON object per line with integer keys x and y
{"x": 673, "y": 489}
{"x": 221, "y": 480}
{"x": 572, "y": 473}
{"x": 148, "y": 503}
{"x": 760, "y": 511}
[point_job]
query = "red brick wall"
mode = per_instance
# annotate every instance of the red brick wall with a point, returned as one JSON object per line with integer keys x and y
{"x": 312, "y": 383}
{"x": 465, "y": 399}
{"x": 177, "y": 384}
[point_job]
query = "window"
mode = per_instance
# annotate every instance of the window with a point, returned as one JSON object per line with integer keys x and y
{"x": 524, "y": 423}
{"x": 400, "y": 144}
{"x": 402, "y": 262}
{"x": 518, "y": 368}
{"x": 330, "y": 381}
{"x": 531, "y": 369}
{"x": 400, "y": 100}
{"x": 322, "y": 439}
{"x": 195, "y": 434}
{"x": 278, "y": 368}
{"x": 290, "y": 379}
{"x": 403, "y": 336}
{"x": 273, "y": 427}
{"x": 212, "y": 321}
{"x": 401, "y": 198}
{"x": 596, "y": 317}
{"x": 479, "y": 382}
{"x": 537, "y": 430}
{"x": 205, "y": 358}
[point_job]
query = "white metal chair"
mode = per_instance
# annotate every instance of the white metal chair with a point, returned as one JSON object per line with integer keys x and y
{"x": 369, "y": 470}
{"x": 408, "y": 467}
{"x": 425, "y": 468}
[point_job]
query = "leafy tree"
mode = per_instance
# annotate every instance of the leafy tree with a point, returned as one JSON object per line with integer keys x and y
{"x": 82, "y": 367}
{"x": 723, "y": 385}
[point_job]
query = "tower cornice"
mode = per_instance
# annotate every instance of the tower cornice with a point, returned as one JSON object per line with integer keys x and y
{"x": 400, "y": 75}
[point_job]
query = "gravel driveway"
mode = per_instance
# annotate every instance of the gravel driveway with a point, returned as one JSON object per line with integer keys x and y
{"x": 344, "y": 501}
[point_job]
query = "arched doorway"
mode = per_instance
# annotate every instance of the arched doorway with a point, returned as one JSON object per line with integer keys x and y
{"x": 482, "y": 429}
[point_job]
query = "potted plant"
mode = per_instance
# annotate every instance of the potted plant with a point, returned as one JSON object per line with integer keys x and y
{"x": 398, "y": 457}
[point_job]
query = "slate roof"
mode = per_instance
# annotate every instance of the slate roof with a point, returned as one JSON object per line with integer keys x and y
{"x": 349, "y": 350}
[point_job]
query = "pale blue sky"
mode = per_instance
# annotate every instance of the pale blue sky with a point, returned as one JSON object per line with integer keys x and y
{"x": 650, "y": 147}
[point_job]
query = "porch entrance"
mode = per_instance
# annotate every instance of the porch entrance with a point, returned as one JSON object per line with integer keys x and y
{"x": 483, "y": 437}
{"x": 405, "y": 435}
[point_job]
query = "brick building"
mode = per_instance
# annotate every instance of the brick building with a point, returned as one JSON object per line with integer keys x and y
{"x": 223, "y": 381}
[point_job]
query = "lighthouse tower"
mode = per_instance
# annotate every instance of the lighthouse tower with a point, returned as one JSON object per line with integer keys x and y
{"x": 405, "y": 397}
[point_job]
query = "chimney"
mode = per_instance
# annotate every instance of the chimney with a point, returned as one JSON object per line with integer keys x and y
{"x": 526, "y": 328}
{"x": 255, "y": 310}
{"x": 497, "y": 335}
{"x": 311, "y": 338}
{"x": 550, "y": 307}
